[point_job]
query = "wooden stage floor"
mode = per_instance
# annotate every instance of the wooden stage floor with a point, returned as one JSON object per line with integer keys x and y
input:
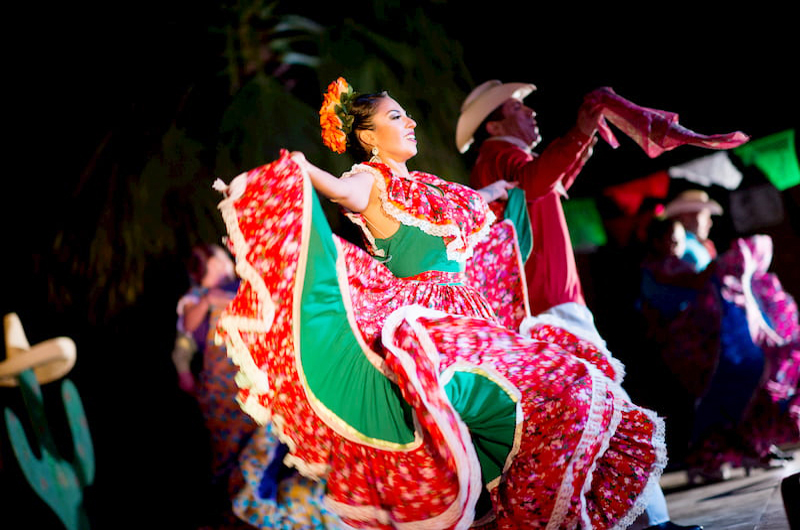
{"x": 739, "y": 503}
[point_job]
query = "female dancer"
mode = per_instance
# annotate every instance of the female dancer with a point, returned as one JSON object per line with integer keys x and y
{"x": 251, "y": 489}
{"x": 390, "y": 377}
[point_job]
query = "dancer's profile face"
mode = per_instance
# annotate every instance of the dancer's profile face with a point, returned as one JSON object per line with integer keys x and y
{"x": 392, "y": 132}
{"x": 704, "y": 224}
{"x": 676, "y": 240}
{"x": 218, "y": 269}
{"x": 519, "y": 121}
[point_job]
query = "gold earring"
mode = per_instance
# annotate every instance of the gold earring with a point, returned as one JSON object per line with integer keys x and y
{"x": 375, "y": 158}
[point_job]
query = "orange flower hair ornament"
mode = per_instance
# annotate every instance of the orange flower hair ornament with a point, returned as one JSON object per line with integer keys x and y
{"x": 335, "y": 117}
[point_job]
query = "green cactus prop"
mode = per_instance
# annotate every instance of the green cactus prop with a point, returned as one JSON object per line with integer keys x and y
{"x": 55, "y": 480}
{"x": 58, "y": 482}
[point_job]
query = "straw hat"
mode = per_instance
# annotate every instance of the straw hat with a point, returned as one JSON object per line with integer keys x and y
{"x": 50, "y": 359}
{"x": 692, "y": 201}
{"x": 481, "y": 102}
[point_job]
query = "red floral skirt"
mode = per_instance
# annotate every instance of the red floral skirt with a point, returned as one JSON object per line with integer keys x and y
{"x": 357, "y": 372}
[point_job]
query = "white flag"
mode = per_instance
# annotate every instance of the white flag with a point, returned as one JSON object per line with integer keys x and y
{"x": 712, "y": 169}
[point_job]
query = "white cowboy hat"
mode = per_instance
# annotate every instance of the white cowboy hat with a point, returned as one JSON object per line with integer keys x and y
{"x": 481, "y": 102}
{"x": 692, "y": 201}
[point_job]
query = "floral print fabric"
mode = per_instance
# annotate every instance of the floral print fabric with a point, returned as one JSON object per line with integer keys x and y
{"x": 437, "y": 207}
{"x": 583, "y": 453}
{"x": 241, "y": 450}
{"x": 299, "y": 500}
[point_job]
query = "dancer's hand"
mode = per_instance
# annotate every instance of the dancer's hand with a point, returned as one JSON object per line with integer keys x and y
{"x": 497, "y": 190}
{"x": 590, "y": 115}
{"x": 300, "y": 159}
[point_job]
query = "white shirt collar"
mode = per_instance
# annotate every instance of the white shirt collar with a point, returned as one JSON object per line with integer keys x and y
{"x": 513, "y": 140}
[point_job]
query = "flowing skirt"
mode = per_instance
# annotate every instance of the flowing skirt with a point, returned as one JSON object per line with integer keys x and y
{"x": 410, "y": 400}
{"x": 735, "y": 348}
{"x": 773, "y": 328}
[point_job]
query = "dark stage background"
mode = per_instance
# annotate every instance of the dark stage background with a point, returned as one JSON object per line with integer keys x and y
{"x": 107, "y": 79}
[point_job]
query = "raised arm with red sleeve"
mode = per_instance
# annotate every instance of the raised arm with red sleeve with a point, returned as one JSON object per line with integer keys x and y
{"x": 538, "y": 175}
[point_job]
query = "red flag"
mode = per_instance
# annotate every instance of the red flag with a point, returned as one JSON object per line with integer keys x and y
{"x": 629, "y": 196}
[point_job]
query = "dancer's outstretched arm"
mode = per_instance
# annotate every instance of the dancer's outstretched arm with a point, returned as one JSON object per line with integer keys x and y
{"x": 352, "y": 192}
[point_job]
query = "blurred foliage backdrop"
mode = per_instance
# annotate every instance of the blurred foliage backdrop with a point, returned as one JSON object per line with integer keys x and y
{"x": 225, "y": 89}
{"x": 128, "y": 113}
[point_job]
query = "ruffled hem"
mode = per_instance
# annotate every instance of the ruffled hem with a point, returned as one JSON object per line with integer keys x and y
{"x": 577, "y": 320}
{"x": 564, "y": 400}
{"x": 262, "y": 329}
{"x": 284, "y": 254}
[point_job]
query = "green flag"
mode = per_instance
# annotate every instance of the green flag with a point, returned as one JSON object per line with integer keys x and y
{"x": 584, "y": 223}
{"x": 775, "y": 156}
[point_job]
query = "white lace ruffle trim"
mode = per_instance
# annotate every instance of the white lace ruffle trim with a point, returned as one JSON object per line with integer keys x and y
{"x": 459, "y": 249}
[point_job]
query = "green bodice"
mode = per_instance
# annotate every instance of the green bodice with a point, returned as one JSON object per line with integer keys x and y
{"x": 410, "y": 251}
